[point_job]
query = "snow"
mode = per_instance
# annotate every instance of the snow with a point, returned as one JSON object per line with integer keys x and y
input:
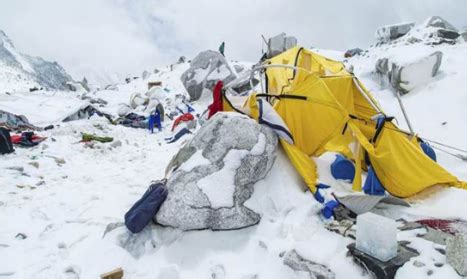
{"x": 72, "y": 213}
{"x": 377, "y": 236}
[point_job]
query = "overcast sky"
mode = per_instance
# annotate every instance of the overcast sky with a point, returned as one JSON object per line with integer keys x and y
{"x": 99, "y": 37}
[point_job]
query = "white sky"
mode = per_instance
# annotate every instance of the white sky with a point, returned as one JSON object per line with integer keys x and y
{"x": 101, "y": 37}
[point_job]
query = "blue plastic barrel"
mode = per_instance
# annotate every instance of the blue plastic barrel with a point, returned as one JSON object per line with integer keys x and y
{"x": 343, "y": 169}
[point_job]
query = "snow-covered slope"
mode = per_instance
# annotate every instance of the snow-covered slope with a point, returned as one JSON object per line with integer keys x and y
{"x": 19, "y": 72}
{"x": 69, "y": 200}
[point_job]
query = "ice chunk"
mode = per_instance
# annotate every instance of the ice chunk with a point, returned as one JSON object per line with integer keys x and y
{"x": 377, "y": 236}
{"x": 456, "y": 253}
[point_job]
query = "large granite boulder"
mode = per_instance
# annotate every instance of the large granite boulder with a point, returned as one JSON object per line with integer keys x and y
{"x": 391, "y": 32}
{"x": 205, "y": 70}
{"x": 214, "y": 174}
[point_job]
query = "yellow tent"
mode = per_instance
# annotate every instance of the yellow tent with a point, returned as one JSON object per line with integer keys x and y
{"x": 327, "y": 109}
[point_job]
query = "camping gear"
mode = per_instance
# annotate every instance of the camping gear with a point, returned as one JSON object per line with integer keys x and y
{"x": 186, "y": 117}
{"x": 372, "y": 184}
{"x": 134, "y": 120}
{"x": 12, "y": 121}
{"x": 360, "y": 204}
{"x": 318, "y": 196}
{"x": 27, "y": 139}
{"x": 343, "y": 168}
{"x": 86, "y": 112}
{"x": 326, "y": 108}
{"x": 90, "y": 137}
{"x": 216, "y": 105}
{"x": 154, "y": 119}
{"x": 178, "y": 135}
{"x": 428, "y": 150}
{"x": 141, "y": 213}
{"x": 184, "y": 108}
{"x": 6, "y": 146}
{"x": 328, "y": 210}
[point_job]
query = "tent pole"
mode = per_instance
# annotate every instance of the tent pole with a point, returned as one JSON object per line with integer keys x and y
{"x": 398, "y": 95}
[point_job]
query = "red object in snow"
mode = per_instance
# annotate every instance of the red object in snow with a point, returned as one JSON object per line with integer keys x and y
{"x": 217, "y": 99}
{"x": 184, "y": 117}
{"x": 447, "y": 226}
{"x": 16, "y": 139}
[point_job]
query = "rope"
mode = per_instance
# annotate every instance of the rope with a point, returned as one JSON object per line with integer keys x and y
{"x": 444, "y": 145}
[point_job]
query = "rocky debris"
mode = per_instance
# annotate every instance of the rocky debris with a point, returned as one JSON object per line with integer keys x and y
{"x": 441, "y": 31}
{"x": 239, "y": 68}
{"x": 456, "y": 253}
{"x": 439, "y": 22}
{"x": 353, "y": 52}
{"x": 299, "y": 264}
{"x": 392, "y": 32}
{"x": 343, "y": 227}
{"x": 182, "y": 60}
{"x": 145, "y": 74}
{"x": 214, "y": 174}
{"x": 279, "y": 44}
{"x": 383, "y": 270}
{"x": 406, "y": 77}
{"x": 205, "y": 70}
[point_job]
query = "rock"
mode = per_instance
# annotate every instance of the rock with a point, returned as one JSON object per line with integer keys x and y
{"x": 299, "y": 264}
{"x": 181, "y": 60}
{"x": 59, "y": 161}
{"x": 116, "y": 144}
{"x": 405, "y": 77}
{"x": 383, "y": 270}
{"x": 418, "y": 264}
{"x": 456, "y": 253}
{"x": 280, "y": 43}
{"x": 205, "y": 70}
{"x": 145, "y": 74}
{"x": 439, "y": 22}
{"x": 214, "y": 173}
{"x": 242, "y": 84}
{"x": 21, "y": 236}
{"x": 353, "y": 52}
{"x": 18, "y": 169}
{"x": 447, "y": 34}
{"x": 391, "y": 32}
{"x": 239, "y": 68}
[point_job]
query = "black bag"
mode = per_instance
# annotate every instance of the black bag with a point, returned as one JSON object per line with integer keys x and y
{"x": 6, "y": 146}
{"x": 142, "y": 212}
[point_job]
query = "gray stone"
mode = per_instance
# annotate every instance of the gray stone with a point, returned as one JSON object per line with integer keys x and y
{"x": 383, "y": 270}
{"x": 145, "y": 74}
{"x": 225, "y": 136}
{"x": 456, "y": 253}
{"x": 299, "y": 264}
{"x": 279, "y": 44}
{"x": 439, "y": 22}
{"x": 391, "y": 32}
{"x": 405, "y": 77}
{"x": 239, "y": 68}
{"x": 205, "y": 70}
{"x": 116, "y": 144}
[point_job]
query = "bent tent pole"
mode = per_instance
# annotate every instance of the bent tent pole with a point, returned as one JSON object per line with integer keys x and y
{"x": 399, "y": 99}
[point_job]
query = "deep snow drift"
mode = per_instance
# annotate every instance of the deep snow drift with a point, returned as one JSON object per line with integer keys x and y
{"x": 62, "y": 202}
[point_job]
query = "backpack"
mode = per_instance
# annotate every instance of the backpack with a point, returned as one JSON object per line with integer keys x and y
{"x": 142, "y": 212}
{"x": 6, "y": 146}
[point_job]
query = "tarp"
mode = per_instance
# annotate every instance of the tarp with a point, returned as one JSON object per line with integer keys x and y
{"x": 326, "y": 108}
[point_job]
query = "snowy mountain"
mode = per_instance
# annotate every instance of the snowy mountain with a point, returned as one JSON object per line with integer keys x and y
{"x": 19, "y": 72}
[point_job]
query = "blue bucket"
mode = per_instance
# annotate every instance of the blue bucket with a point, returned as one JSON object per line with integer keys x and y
{"x": 343, "y": 169}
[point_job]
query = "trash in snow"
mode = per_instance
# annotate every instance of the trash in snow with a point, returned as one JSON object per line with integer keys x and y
{"x": 377, "y": 236}
{"x": 91, "y": 137}
{"x": 114, "y": 274}
{"x": 11, "y": 121}
{"x": 296, "y": 262}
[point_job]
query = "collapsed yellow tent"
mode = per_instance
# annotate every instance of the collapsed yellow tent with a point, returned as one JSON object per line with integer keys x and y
{"x": 332, "y": 111}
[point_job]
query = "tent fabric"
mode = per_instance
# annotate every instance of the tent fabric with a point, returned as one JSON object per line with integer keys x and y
{"x": 331, "y": 111}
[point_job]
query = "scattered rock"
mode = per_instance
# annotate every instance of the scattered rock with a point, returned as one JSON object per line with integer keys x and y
{"x": 418, "y": 264}
{"x": 116, "y": 144}
{"x": 439, "y": 264}
{"x": 383, "y": 270}
{"x": 214, "y": 173}
{"x": 391, "y": 32}
{"x": 205, "y": 70}
{"x": 59, "y": 161}
{"x": 19, "y": 169}
{"x": 315, "y": 270}
{"x": 456, "y": 253}
{"x": 34, "y": 164}
{"x": 21, "y": 236}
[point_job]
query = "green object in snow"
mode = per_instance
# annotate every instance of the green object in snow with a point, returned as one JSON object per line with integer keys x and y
{"x": 89, "y": 137}
{"x": 221, "y": 48}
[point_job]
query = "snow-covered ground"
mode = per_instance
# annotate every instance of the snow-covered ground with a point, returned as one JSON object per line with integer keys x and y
{"x": 68, "y": 199}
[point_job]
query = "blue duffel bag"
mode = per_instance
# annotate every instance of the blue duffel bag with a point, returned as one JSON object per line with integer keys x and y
{"x": 142, "y": 212}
